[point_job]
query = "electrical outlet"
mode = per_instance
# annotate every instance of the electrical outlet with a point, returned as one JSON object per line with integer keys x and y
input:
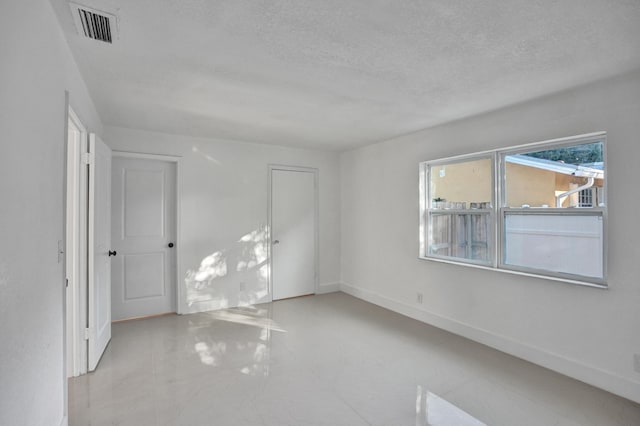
{"x": 636, "y": 363}
{"x": 419, "y": 297}
{"x": 243, "y": 286}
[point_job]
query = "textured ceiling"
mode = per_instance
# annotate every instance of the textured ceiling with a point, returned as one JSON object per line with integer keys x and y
{"x": 336, "y": 74}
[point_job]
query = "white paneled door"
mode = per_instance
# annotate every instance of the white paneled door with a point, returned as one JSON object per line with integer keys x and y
{"x": 144, "y": 232}
{"x": 99, "y": 294}
{"x": 293, "y": 232}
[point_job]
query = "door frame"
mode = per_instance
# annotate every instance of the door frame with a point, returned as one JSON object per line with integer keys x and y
{"x": 316, "y": 211}
{"x": 177, "y": 160}
{"x": 76, "y": 184}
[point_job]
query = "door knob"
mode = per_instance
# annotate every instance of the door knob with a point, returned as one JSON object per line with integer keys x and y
{"x": 170, "y": 245}
{"x": 112, "y": 253}
{"x": 276, "y": 242}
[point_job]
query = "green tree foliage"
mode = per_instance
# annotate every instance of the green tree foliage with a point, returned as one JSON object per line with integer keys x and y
{"x": 581, "y": 154}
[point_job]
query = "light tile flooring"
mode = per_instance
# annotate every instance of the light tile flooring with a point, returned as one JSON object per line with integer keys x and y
{"x": 323, "y": 360}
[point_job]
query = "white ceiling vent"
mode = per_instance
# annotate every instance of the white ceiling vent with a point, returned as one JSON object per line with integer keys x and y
{"x": 94, "y": 23}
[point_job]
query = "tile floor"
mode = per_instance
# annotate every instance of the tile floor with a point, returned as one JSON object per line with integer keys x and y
{"x": 323, "y": 360}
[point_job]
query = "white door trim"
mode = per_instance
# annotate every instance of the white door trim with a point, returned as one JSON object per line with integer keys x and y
{"x": 180, "y": 308}
{"x": 271, "y": 168}
{"x": 76, "y": 248}
{"x": 144, "y": 156}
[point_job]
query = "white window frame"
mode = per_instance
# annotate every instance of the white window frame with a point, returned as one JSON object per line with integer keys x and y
{"x": 500, "y": 210}
{"x": 427, "y": 210}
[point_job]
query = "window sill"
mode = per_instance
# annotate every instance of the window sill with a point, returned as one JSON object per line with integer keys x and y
{"x": 513, "y": 272}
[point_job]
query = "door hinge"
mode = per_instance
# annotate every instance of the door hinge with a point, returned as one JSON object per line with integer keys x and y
{"x": 89, "y": 333}
{"x": 88, "y": 158}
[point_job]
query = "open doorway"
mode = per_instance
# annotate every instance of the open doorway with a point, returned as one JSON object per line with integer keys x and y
{"x": 88, "y": 194}
{"x": 144, "y": 235}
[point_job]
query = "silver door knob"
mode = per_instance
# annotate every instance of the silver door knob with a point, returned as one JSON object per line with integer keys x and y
{"x": 276, "y": 242}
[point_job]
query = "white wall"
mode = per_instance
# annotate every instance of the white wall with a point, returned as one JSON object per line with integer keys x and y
{"x": 590, "y": 334}
{"x": 36, "y": 69}
{"x": 224, "y": 198}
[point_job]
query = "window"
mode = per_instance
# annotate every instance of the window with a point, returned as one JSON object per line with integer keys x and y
{"x": 591, "y": 197}
{"x": 536, "y": 209}
{"x": 585, "y": 197}
{"x": 460, "y": 210}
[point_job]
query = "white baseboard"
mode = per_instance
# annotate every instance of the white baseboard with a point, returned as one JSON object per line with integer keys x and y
{"x": 592, "y": 375}
{"x": 328, "y": 288}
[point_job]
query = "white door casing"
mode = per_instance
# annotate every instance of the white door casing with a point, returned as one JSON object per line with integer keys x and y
{"x": 76, "y": 246}
{"x": 143, "y": 227}
{"x": 99, "y": 292}
{"x": 293, "y": 218}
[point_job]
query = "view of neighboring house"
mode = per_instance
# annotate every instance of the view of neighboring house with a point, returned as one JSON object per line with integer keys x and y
{"x": 537, "y": 182}
{"x": 531, "y": 182}
{"x": 461, "y": 202}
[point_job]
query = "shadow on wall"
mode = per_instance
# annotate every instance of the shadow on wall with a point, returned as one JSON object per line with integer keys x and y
{"x": 246, "y": 259}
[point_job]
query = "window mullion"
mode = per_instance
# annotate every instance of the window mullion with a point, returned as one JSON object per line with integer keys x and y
{"x": 542, "y": 239}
